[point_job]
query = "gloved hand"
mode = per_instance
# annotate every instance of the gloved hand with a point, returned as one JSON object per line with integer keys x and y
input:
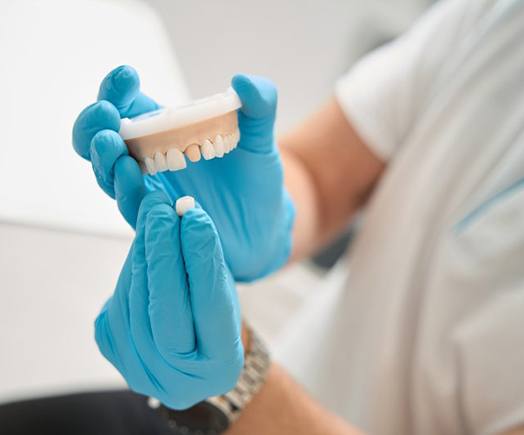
{"x": 243, "y": 192}
{"x": 172, "y": 327}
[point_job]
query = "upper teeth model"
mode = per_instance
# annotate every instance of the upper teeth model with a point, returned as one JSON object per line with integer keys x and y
{"x": 206, "y": 128}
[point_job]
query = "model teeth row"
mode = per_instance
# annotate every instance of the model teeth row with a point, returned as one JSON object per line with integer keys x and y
{"x": 174, "y": 159}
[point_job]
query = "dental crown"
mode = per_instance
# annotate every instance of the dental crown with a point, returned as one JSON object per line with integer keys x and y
{"x": 205, "y": 128}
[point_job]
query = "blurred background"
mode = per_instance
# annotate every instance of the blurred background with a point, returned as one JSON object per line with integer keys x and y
{"x": 62, "y": 242}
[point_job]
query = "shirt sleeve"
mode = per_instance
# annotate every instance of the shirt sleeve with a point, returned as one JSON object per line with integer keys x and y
{"x": 383, "y": 94}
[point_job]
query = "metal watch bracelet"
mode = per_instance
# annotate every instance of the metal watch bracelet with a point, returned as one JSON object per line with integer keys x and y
{"x": 228, "y": 406}
{"x": 256, "y": 366}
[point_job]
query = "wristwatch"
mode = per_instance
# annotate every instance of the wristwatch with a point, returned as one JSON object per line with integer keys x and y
{"x": 214, "y": 415}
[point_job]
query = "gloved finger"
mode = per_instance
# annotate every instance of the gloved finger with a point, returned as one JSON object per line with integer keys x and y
{"x": 151, "y": 200}
{"x": 129, "y": 188}
{"x": 121, "y": 87}
{"x": 106, "y": 147}
{"x": 140, "y": 325}
{"x": 257, "y": 116}
{"x": 169, "y": 304}
{"x": 107, "y": 345}
{"x": 112, "y": 332}
{"x": 101, "y": 115}
{"x": 103, "y": 336}
{"x": 212, "y": 291}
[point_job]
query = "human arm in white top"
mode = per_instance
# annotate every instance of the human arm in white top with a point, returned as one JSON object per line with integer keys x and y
{"x": 332, "y": 163}
{"x": 330, "y": 172}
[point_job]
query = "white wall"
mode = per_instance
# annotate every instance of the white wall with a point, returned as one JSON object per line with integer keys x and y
{"x": 54, "y": 54}
{"x": 303, "y": 45}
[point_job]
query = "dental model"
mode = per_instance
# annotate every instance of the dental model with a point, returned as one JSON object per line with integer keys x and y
{"x": 206, "y": 128}
{"x": 183, "y": 204}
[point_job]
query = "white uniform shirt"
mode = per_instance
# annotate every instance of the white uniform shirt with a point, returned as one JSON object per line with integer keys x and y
{"x": 425, "y": 334}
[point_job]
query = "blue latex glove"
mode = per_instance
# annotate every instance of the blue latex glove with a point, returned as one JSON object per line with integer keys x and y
{"x": 243, "y": 192}
{"x": 172, "y": 327}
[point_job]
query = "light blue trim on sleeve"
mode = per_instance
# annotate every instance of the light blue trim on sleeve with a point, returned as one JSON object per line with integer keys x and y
{"x": 477, "y": 212}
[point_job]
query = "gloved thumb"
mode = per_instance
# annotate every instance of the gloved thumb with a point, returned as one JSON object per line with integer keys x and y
{"x": 257, "y": 116}
{"x": 121, "y": 87}
{"x": 258, "y": 95}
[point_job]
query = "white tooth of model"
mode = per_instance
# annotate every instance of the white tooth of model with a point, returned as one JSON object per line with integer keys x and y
{"x": 193, "y": 152}
{"x": 184, "y": 204}
{"x": 225, "y": 140}
{"x": 175, "y": 160}
{"x": 208, "y": 150}
{"x": 219, "y": 145}
{"x": 160, "y": 162}
{"x": 203, "y": 128}
{"x": 235, "y": 138}
{"x": 231, "y": 142}
{"x": 150, "y": 165}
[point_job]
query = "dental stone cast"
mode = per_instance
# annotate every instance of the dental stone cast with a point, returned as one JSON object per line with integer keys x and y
{"x": 184, "y": 204}
{"x": 205, "y": 129}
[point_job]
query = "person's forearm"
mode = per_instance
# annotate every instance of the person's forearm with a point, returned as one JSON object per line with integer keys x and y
{"x": 329, "y": 172}
{"x": 301, "y": 187}
{"x": 283, "y": 408}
